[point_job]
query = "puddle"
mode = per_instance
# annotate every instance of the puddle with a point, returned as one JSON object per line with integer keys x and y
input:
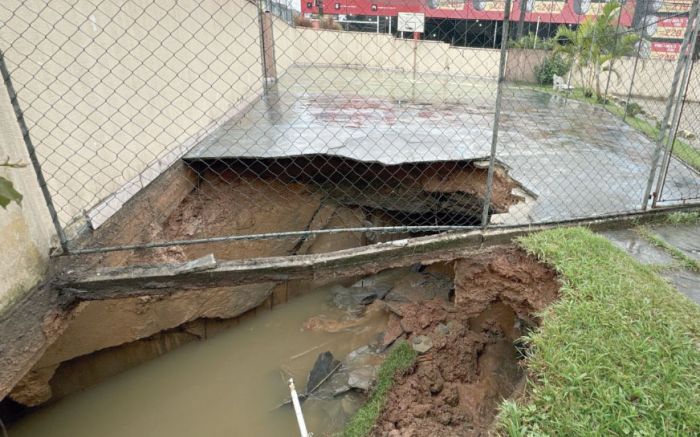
{"x": 228, "y": 385}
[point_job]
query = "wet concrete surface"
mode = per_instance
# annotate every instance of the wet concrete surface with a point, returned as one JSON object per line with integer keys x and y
{"x": 686, "y": 282}
{"x": 577, "y": 159}
{"x": 640, "y": 249}
{"x": 684, "y": 237}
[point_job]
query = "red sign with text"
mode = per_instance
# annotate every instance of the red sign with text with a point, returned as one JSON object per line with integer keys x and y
{"x": 553, "y": 11}
{"x": 665, "y": 50}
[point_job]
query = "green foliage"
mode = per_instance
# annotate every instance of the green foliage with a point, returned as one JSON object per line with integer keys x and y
{"x": 553, "y": 64}
{"x": 595, "y": 44}
{"x": 633, "y": 109}
{"x": 684, "y": 218}
{"x": 8, "y": 194}
{"x": 401, "y": 358}
{"x": 531, "y": 41}
{"x": 616, "y": 355}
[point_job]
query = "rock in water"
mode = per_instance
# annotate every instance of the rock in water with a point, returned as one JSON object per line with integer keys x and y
{"x": 362, "y": 378}
{"x": 324, "y": 365}
{"x": 355, "y": 299}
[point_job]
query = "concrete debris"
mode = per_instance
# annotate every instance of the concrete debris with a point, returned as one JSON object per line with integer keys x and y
{"x": 421, "y": 343}
{"x": 362, "y": 378}
{"x": 325, "y": 365}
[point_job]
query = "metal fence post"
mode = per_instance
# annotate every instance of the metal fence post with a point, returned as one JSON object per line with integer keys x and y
{"x": 677, "y": 111}
{"x": 612, "y": 61}
{"x": 692, "y": 18}
{"x": 497, "y": 115}
{"x": 634, "y": 72}
{"x": 32, "y": 154}
{"x": 267, "y": 44}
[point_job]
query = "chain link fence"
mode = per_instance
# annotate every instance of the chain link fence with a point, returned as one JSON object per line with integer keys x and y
{"x": 249, "y": 129}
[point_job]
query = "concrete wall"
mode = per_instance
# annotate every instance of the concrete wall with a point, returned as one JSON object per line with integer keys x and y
{"x": 111, "y": 88}
{"x": 304, "y": 46}
{"x": 652, "y": 80}
{"x": 26, "y": 231}
{"x": 521, "y": 64}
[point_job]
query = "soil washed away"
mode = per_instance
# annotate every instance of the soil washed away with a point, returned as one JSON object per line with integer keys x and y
{"x": 463, "y": 317}
{"x": 469, "y": 361}
{"x": 254, "y": 196}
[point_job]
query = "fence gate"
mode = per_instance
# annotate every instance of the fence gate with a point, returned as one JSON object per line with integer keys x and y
{"x": 681, "y": 147}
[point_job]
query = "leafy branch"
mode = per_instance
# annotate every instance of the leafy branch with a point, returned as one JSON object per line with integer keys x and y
{"x": 8, "y": 194}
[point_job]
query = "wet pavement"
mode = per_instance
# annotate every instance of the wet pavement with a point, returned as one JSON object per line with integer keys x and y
{"x": 640, "y": 249}
{"x": 685, "y": 281}
{"x": 577, "y": 159}
{"x": 684, "y": 237}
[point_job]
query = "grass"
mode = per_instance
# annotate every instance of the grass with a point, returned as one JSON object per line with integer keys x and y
{"x": 400, "y": 359}
{"x": 686, "y": 261}
{"x": 681, "y": 150}
{"x": 618, "y": 354}
{"x": 684, "y": 218}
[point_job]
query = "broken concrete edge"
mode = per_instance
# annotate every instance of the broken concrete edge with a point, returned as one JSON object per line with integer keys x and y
{"x": 32, "y": 323}
{"x": 121, "y": 282}
{"x": 26, "y": 331}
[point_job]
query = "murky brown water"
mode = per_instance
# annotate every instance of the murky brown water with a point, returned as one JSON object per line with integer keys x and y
{"x": 227, "y": 386}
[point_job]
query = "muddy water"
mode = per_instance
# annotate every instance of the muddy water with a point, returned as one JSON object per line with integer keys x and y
{"x": 228, "y": 385}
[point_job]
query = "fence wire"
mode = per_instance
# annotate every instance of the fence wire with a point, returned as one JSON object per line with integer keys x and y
{"x": 250, "y": 129}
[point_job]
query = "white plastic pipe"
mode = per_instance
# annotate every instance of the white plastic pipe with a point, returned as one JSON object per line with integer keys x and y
{"x": 297, "y": 409}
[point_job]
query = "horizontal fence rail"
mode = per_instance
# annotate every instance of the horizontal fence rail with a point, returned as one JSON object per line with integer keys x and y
{"x": 250, "y": 129}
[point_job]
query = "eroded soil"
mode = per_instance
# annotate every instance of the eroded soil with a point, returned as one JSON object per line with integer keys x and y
{"x": 456, "y": 386}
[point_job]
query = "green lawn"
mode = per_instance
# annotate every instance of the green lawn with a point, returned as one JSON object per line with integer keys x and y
{"x": 681, "y": 150}
{"x": 400, "y": 359}
{"x": 618, "y": 354}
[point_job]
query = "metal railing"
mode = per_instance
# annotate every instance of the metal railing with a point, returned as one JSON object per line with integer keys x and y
{"x": 266, "y": 131}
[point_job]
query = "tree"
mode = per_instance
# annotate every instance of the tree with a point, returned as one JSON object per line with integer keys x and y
{"x": 8, "y": 194}
{"x": 595, "y": 44}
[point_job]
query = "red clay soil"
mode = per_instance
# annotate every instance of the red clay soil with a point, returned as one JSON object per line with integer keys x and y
{"x": 456, "y": 387}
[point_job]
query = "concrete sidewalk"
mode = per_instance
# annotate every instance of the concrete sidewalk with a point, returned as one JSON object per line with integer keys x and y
{"x": 686, "y": 238}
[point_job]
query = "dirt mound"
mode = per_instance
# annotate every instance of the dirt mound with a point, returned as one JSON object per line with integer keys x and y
{"x": 508, "y": 275}
{"x": 456, "y": 386}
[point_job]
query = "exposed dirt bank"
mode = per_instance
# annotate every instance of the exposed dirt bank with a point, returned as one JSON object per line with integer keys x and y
{"x": 102, "y": 338}
{"x": 254, "y": 196}
{"x": 470, "y": 364}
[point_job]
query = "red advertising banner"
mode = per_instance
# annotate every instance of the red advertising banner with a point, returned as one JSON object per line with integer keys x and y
{"x": 546, "y": 11}
{"x": 671, "y": 28}
{"x": 665, "y": 50}
{"x": 676, "y": 6}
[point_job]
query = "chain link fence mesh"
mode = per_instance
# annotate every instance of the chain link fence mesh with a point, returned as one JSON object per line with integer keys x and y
{"x": 268, "y": 128}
